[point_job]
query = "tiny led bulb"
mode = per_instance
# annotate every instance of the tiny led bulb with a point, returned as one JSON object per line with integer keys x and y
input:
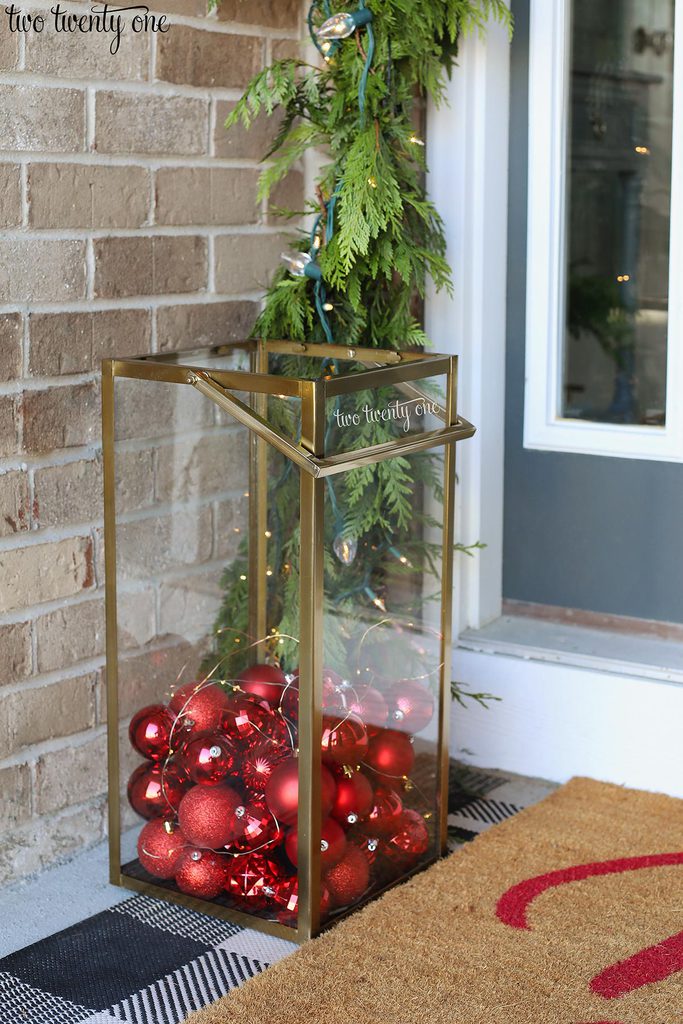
{"x": 372, "y": 182}
{"x": 415, "y": 141}
{"x": 296, "y": 263}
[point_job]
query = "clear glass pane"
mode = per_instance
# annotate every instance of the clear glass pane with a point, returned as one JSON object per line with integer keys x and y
{"x": 618, "y": 211}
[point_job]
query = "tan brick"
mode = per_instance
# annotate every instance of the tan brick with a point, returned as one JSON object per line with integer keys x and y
{"x": 11, "y": 331}
{"x": 130, "y": 123}
{"x": 45, "y": 572}
{"x": 78, "y": 342}
{"x": 209, "y": 466}
{"x": 71, "y": 776}
{"x": 68, "y": 635}
{"x": 10, "y": 196}
{"x": 288, "y": 197}
{"x": 148, "y": 547}
{"x": 15, "y": 796}
{"x": 80, "y": 196}
{"x": 245, "y": 263}
{"x": 231, "y": 514}
{"x": 200, "y": 324}
{"x": 14, "y": 503}
{"x": 191, "y": 56}
{"x": 188, "y": 607}
{"x": 45, "y": 712}
{"x": 238, "y": 142}
{"x": 136, "y": 618}
{"x": 38, "y": 270}
{"x": 33, "y": 118}
{"x": 71, "y": 493}
{"x": 187, "y": 8}
{"x": 199, "y": 195}
{"x": 267, "y": 13}
{"x": 61, "y": 417}
{"x": 153, "y": 675}
{"x": 71, "y": 55}
{"x": 286, "y": 49}
{"x": 36, "y": 844}
{"x": 9, "y": 426}
{"x": 16, "y": 658}
{"x": 9, "y": 50}
{"x": 134, "y": 481}
{"x": 153, "y": 409}
{"x": 166, "y": 264}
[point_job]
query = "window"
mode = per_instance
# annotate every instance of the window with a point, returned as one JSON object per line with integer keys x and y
{"x": 605, "y": 243}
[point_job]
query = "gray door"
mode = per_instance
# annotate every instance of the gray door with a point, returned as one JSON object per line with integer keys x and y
{"x": 584, "y": 531}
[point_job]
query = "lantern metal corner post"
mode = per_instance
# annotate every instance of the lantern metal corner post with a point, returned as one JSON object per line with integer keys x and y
{"x": 113, "y": 805}
{"x": 258, "y": 513}
{"x": 311, "y": 661}
{"x": 448, "y": 539}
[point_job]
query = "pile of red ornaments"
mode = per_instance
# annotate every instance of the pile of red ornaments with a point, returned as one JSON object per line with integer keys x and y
{"x": 220, "y": 789}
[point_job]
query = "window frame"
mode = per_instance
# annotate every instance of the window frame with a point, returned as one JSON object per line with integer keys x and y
{"x": 549, "y": 102}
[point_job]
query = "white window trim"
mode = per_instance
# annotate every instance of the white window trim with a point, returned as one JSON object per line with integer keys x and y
{"x": 546, "y": 246}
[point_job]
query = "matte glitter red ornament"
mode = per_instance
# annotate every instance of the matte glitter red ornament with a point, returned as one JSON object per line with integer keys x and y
{"x": 208, "y": 759}
{"x": 201, "y": 873}
{"x": 259, "y": 763}
{"x": 282, "y": 791}
{"x": 332, "y": 844}
{"x": 160, "y": 845}
{"x": 353, "y": 798}
{"x": 252, "y": 880}
{"x": 150, "y": 731}
{"x": 409, "y": 840}
{"x": 344, "y": 739}
{"x": 199, "y": 706}
{"x": 391, "y": 755}
{"x": 369, "y": 705}
{"x": 385, "y": 812}
{"x": 247, "y": 721}
{"x": 267, "y": 682}
{"x": 156, "y": 790}
{"x": 411, "y": 706}
{"x": 210, "y": 815}
{"x": 348, "y": 880}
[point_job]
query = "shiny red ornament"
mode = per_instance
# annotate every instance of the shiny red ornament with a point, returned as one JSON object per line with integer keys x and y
{"x": 282, "y": 791}
{"x": 332, "y": 844}
{"x": 344, "y": 739}
{"x": 247, "y": 721}
{"x": 160, "y": 845}
{"x": 267, "y": 682}
{"x": 199, "y": 706}
{"x": 212, "y": 815}
{"x": 155, "y": 790}
{"x": 411, "y": 706}
{"x": 286, "y": 900}
{"x": 332, "y": 694}
{"x": 365, "y": 841}
{"x": 370, "y": 706}
{"x": 150, "y": 731}
{"x": 348, "y": 880}
{"x": 408, "y": 842}
{"x": 385, "y": 812}
{"x": 261, "y": 830}
{"x": 391, "y": 755}
{"x": 353, "y": 799}
{"x": 208, "y": 759}
{"x": 253, "y": 880}
{"x": 259, "y": 763}
{"x": 201, "y": 873}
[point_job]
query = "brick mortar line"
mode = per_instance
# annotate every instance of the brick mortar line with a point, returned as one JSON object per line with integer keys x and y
{"x": 131, "y": 87}
{"x": 29, "y": 615}
{"x": 57, "y": 457}
{"x": 89, "y": 666}
{"x": 140, "y": 302}
{"x": 146, "y": 231}
{"x": 37, "y": 383}
{"x": 153, "y": 162}
{"x": 30, "y": 754}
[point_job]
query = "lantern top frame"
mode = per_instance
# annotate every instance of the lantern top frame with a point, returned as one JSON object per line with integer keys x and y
{"x": 403, "y": 370}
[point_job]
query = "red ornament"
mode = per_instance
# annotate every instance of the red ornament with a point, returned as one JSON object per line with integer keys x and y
{"x": 348, "y": 880}
{"x": 411, "y": 706}
{"x": 150, "y": 731}
{"x": 408, "y": 842}
{"x": 212, "y": 815}
{"x": 366, "y": 842}
{"x": 344, "y": 739}
{"x": 353, "y": 799}
{"x": 391, "y": 755}
{"x": 208, "y": 759}
{"x": 385, "y": 812}
{"x": 199, "y": 706}
{"x": 261, "y": 830}
{"x": 260, "y": 762}
{"x": 282, "y": 791}
{"x": 370, "y": 706}
{"x": 201, "y": 873}
{"x": 267, "y": 682}
{"x": 332, "y": 694}
{"x": 332, "y": 844}
{"x": 160, "y": 845}
{"x": 247, "y": 721}
{"x": 253, "y": 880}
{"x": 155, "y": 790}
{"x": 286, "y": 899}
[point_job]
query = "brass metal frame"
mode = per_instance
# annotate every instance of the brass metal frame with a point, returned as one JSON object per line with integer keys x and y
{"x": 402, "y": 370}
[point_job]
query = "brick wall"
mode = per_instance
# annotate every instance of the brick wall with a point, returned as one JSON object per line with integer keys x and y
{"x": 128, "y": 224}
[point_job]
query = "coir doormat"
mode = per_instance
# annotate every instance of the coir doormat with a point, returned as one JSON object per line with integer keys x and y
{"x": 568, "y": 913}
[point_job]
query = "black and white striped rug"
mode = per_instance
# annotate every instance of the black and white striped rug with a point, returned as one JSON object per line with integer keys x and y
{"x": 149, "y": 962}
